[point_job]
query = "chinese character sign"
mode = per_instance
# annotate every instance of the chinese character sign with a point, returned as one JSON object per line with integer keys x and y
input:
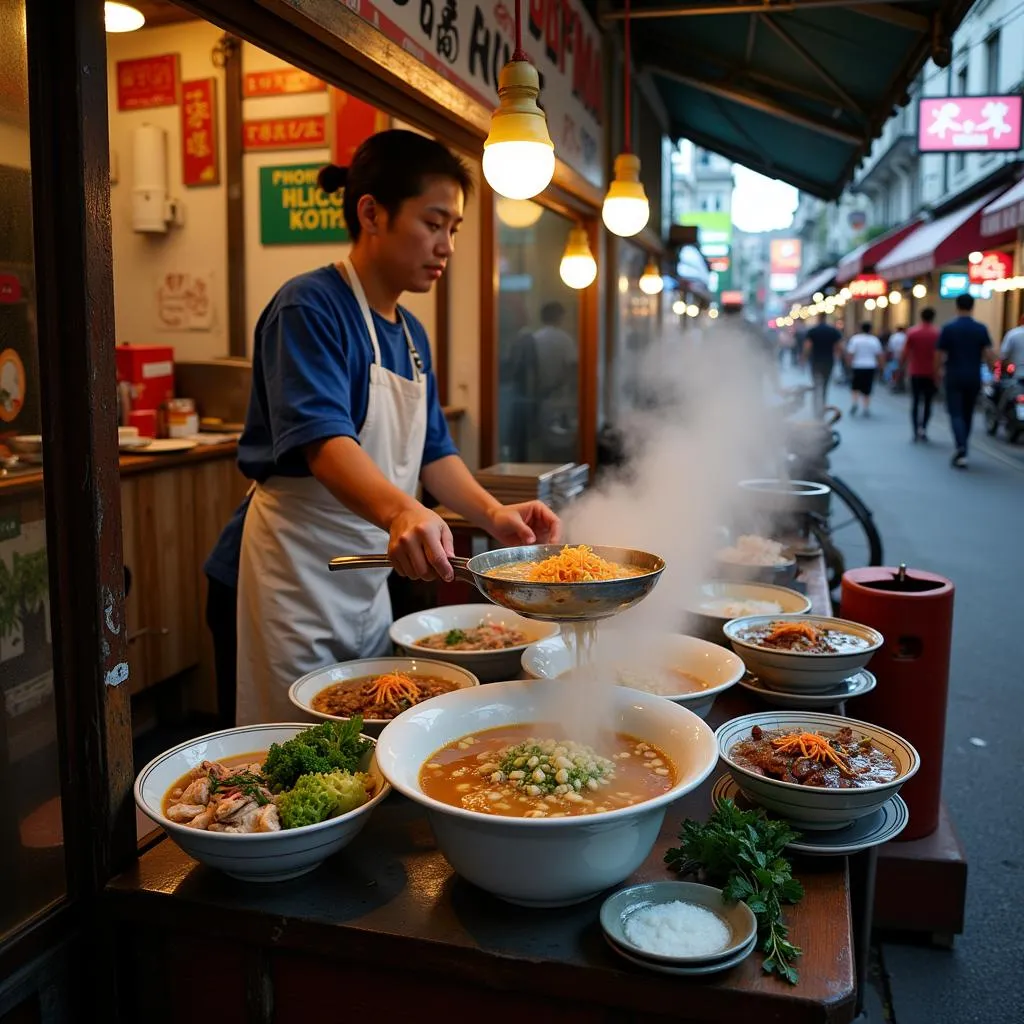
{"x": 306, "y": 132}
{"x": 280, "y": 82}
{"x": 200, "y": 163}
{"x": 989, "y": 266}
{"x": 147, "y": 82}
{"x": 969, "y": 124}
{"x": 868, "y": 286}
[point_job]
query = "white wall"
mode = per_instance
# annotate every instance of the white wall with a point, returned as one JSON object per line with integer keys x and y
{"x": 140, "y": 260}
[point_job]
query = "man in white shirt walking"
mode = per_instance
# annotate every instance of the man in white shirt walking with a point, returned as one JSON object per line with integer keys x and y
{"x": 1012, "y": 349}
{"x": 865, "y": 357}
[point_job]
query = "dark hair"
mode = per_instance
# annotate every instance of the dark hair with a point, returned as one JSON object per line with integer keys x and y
{"x": 965, "y": 302}
{"x": 928, "y": 314}
{"x": 865, "y": 327}
{"x": 392, "y": 166}
{"x": 552, "y": 312}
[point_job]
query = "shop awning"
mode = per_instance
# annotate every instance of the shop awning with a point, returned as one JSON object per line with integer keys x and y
{"x": 866, "y": 256}
{"x": 945, "y": 240}
{"x": 815, "y": 283}
{"x": 796, "y": 89}
{"x": 1005, "y": 213}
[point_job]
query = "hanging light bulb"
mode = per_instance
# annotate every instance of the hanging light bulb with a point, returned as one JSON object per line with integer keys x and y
{"x": 626, "y": 210}
{"x": 882, "y": 301}
{"x": 578, "y": 267}
{"x": 651, "y": 281}
{"x": 869, "y": 304}
{"x": 519, "y": 157}
{"x": 122, "y": 18}
{"x": 518, "y": 213}
{"x": 920, "y": 291}
{"x": 895, "y": 297}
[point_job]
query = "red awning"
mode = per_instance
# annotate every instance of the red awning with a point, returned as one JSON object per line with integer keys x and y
{"x": 1005, "y": 214}
{"x": 864, "y": 257}
{"x": 948, "y": 239}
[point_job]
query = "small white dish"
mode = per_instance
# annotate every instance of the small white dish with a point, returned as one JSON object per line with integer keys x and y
{"x": 302, "y": 691}
{"x": 636, "y": 654}
{"x": 487, "y": 666}
{"x": 872, "y": 830}
{"x": 856, "y": 686}
{"x": 710, "y": 967}
{"x": 165, "y": 445}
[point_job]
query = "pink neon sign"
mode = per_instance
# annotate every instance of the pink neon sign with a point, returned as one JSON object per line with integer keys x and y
{"x": 963, "y": 124}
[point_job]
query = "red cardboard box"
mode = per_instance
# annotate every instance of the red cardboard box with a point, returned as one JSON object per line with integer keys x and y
{"x": 148, "y": 370}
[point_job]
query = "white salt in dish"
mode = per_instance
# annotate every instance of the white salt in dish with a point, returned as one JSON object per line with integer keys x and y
{"x": 621, "y": 907}
{"x": 677, "y": 929}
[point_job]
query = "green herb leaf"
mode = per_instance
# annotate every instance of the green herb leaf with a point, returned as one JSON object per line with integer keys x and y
{"x": 742, "y": 852}
{"x": 454, "y": 636}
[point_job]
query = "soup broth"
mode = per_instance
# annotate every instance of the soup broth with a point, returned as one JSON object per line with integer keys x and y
{"x": 509, "y": 772}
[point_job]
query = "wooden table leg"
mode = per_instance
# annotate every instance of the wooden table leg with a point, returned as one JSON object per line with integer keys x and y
{"x": 863, "y": 867}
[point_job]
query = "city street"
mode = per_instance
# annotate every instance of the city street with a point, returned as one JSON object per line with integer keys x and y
{"x": 965, "y": 526}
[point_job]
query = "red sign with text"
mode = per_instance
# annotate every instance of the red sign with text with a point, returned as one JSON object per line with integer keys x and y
{"x": 993, "y": 266}
{"x": 352, "y": 123}
{"x": 307, "y": 132}
{"x": 868, "y": 286}
{"x": 280, "y": 82}
{"x": 200, "y": 165}
{"x": 147, "y": 82}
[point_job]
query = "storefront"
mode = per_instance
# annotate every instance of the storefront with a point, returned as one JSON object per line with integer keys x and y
{"x": 1003, "y": 215}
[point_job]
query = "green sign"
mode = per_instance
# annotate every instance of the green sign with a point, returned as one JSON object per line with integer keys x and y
{"x": 295, "y": 211}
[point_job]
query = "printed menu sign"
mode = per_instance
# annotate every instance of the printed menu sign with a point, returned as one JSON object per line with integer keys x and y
{"x": 294, "y": 210}
{"x": 147, "y": 82}
{"x": 199, "y": 132}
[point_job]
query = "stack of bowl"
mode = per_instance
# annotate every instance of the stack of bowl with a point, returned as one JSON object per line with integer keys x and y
{"x": 736, "y": 938}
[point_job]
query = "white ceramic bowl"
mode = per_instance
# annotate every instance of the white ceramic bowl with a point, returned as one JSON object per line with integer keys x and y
{"x": 709, "y": 625}
{"x": 812, "y": 807}
{"x": 796, "y": 671}
{"x": 550, "y": 659}
{"x": 487, "y": 666}
{"x": 543, "y": 862}
{"x": 302, "y": 691}
{"x": 259, "y": 857}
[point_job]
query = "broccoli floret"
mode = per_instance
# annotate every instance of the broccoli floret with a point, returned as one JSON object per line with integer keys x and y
{"x": 328, "y": 747}
{"x": 316, "y": 798}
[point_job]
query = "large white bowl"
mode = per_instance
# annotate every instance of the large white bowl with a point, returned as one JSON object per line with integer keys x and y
{"x": 262, "y": 856}
{"x": 302, "y": 691}
{"x": 710, "y": 626}
{"x": 550, "y": 659}
{"x": 487, "y": 666}
{"x": 812, "y": 807}
{"x": 536, "y": 861}
{"x": 796, "y": 671}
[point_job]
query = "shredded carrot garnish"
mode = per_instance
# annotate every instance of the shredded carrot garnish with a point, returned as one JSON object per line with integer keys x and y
{"x": 814, "y": 746}
{"x": 392, "y": 688}
{"x": 785, "y": 630}
{"x": 574, "y": 565}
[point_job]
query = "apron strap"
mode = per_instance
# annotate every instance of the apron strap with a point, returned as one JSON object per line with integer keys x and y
{"x": 357, "y": 288}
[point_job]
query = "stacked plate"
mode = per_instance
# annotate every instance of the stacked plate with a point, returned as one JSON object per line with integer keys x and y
{"x": 857, "y": 685}
{"x": 680, "y": 928}
{"x": 552, "y": 483}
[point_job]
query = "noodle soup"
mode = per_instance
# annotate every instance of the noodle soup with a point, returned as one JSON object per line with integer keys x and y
{"x": 510, "y": 772}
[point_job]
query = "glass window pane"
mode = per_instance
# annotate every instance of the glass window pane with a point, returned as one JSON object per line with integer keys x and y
{"x": 538, "y": 345}
{"x": 636, "y": 332}
{"x": 31, "y": 850}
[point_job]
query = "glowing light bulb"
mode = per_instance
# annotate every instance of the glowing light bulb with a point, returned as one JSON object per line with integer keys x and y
{"x": 122, "y": 18}
{"x": 518, "y": 213}
{"x": 895, "y": 297}
{"x": 578, "y": 267}
{"x": 651, "y": 282}
{"x": 626, "y": 210}
{"x": 919, "y": 291}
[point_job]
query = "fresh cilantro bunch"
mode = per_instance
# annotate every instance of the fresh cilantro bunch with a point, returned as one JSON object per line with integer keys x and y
{"x": 742, "y": 853}
{"x": 329, "y": 747}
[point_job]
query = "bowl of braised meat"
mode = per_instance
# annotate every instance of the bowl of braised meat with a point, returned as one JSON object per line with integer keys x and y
{"x": 802, "y": 653}
{"x": 818, "y": 771}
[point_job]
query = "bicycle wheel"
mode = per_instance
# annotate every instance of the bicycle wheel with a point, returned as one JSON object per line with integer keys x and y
{"x": 851, "y": 525}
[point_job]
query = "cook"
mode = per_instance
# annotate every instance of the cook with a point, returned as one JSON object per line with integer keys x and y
{"x": 344, "y": 421}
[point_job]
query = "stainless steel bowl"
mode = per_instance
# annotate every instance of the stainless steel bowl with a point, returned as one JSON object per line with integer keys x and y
{"x": 549, "y": 602}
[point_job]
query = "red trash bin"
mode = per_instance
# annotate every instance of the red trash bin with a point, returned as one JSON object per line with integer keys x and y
{"x": 913, "y": 610}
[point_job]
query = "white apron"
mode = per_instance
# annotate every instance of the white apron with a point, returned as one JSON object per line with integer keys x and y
{"x": 294, "y": 615}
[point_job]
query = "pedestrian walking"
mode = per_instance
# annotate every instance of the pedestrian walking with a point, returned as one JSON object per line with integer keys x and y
{"x": 865, "y": 357}
{"x": 1011, "y": 352}
{"x": 822, "y": 345}
{"x": 918, "y": 363}
{"x": 964, "y": 344}
{"x": 894, "y": 371}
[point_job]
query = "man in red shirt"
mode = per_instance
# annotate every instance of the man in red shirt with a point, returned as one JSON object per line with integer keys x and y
{"x": 918, "y": 362}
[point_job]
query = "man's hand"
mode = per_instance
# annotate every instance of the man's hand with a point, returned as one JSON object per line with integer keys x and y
{"x": 530, "y": 522}
{"x": 421, "y": 544}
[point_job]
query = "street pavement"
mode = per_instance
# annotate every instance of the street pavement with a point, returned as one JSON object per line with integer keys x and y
{"x": 966, "y": 526}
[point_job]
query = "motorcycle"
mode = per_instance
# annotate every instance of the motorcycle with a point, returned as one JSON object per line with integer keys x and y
{"x": 1003, "y": 401}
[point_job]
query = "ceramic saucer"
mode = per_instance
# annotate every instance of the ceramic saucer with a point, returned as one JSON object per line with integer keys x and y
{"x": 857, "y": 685}
{"x": 708, "y": 968}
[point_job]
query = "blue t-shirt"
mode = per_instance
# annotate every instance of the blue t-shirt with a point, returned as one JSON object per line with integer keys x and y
{"x": 964, "y": 341}
{"x": 310, "y": 381}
